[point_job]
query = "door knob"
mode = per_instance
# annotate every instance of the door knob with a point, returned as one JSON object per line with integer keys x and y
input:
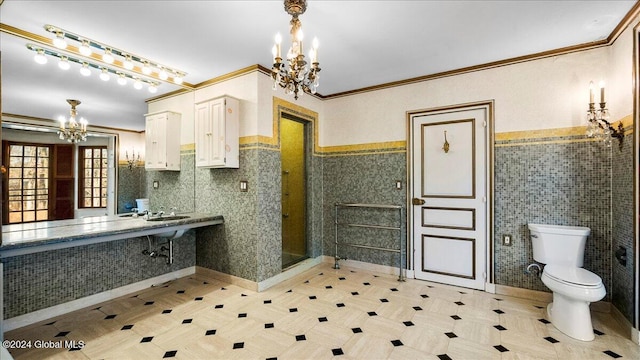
{"x": 417, "y": 201}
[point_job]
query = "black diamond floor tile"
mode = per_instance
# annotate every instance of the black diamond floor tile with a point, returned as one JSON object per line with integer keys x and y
{"x": 149, "y": 303}
{"x": 328, "y": 287}
{"x": 498, "y": 311}
{"x": 456, "y": 317}
{"x": 301, "y": 338}
{"x": 597, "y": 332}
{"x": 384, "y": 300}
{"x": 62, "y": 334}
{"x": 337, "y": 352}
{"x": 109, "y": 317}
{"x": 242, "y": 315}
{"x": 238, "y": 345}
{"x": 269, "y": 326}
{"x": 199, "y": 298}
{"x": 322, "y": 319}
{"x": 146, "y": 339}
{"x": 612, "y": 354}
{"x": 372, "y": 313}
{"x": 544, "y": 321}
{"x": 267, "y": 302}
{"x": 444, "y": 357}
{"x": 210, "y": 332}
{"x": 127, "y": 327}
{"x": 551, "y": 340}
{"x": 292, "y": 310}
{"x": 408, "y": 323}
{"x": 219, "y": 306}
{"x": 417, "y": 308}
{"x": 180, "y": 292}
{"x": 356, "y": 330}
{"x": 500, "y": 327}
{"x": 167, "y": 311}
{"x": 459, "y": 303}
{"x": 501, "y": 348}
{"x": 313, "y": 297}
{"x": 170, "y": 354}
{"x": 187, "y": 321}
{"x": 340, "y": 305}
{"x": 397, "y": 342}
{"x": 424, "y": 296}
{"x": 451, "y": 335}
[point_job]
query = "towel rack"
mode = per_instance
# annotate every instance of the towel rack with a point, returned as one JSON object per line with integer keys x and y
{"x": 338, "y": 206}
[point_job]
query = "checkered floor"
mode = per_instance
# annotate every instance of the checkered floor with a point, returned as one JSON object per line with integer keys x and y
{"x": 321, "y": 314}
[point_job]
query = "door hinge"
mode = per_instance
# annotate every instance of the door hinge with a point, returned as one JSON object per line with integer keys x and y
{"x": 484, "y": 124}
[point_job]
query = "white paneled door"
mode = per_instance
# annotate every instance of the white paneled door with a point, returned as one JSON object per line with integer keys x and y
{"x": 449, "y": 160}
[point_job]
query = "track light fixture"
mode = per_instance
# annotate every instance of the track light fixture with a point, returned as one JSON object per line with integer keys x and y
{"x": 110, "y": 54}
{"x": 87, "y": 66}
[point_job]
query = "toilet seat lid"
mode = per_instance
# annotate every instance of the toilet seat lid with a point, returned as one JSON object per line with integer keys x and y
{"x": 573, "y": 275}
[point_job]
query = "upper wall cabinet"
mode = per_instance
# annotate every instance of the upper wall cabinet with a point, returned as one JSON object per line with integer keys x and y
{"x": 162, "y": 139}
{"x": 217, "y": 133}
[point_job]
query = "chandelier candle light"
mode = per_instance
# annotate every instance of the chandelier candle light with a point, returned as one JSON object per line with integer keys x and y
{"x": 598, "y": 120}
{"x": 299, "y": 75}
{"x": 73, "y": 131}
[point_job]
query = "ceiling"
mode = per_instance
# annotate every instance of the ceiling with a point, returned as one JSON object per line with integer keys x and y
{"x": 362, "y": 43}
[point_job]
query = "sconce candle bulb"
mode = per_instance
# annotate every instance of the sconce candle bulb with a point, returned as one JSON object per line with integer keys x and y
{"x": 598, "y": 125}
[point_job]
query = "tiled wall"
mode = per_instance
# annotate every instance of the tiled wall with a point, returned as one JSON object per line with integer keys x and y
{"x": 248, "y": 245}
{"x": 131, "y": 186}
{"x": 175, "y": 188}
{"x": 37, "y": 281}
{"x": 623, "y": 222}
{"x": 231, "y": 248}
{"x": 551, "y": 180}
{"x": 364, "y": 178}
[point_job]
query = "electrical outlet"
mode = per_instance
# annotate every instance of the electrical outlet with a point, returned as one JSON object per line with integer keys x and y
{"x": 156, "y": 184}
{"x": 398, "y": 185}
{"x": 507, "y": 240}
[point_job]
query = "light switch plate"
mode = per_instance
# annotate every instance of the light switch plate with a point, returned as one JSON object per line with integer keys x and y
{"x": 507, "y": 240}
{"x": 156, "y": 184}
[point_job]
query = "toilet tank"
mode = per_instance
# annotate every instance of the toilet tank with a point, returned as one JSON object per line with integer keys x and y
{"x": 557, "y": 244}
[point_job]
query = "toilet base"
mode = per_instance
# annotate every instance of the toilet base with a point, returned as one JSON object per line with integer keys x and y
{"x": 572, "y": 317}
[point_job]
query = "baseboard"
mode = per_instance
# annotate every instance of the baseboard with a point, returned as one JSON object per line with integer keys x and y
{"x": 291, "y": 272}
{"x": 543, "y": 296}
{"x": 535, "y": 295}
{"x": 383, "y": 269}
{"x": 625, "y": 324}
{"x": 57, "y": 310}
{"x": 227, "y": 278}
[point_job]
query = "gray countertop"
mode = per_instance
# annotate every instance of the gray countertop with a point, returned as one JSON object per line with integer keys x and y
{"x": 27, "y": 238}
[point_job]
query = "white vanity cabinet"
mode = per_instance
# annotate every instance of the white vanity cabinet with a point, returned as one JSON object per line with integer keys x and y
{"x": 217, "y": 133}
{"x": 162, "y": 139}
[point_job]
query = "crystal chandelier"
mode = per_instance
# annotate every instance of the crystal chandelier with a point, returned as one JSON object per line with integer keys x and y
{"x": 598, "y": 120}
{"x": 73, "y": 131}
{"x": 298, "y": 75}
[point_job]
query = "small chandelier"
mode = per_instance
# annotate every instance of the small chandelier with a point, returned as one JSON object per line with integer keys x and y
{"x": 72, "y": 130}
{"x": 299, "y": 75}
{"x": 598, "y": 120}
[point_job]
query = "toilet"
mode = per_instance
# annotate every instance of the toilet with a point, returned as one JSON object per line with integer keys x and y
{"x": 561, "y": 249}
